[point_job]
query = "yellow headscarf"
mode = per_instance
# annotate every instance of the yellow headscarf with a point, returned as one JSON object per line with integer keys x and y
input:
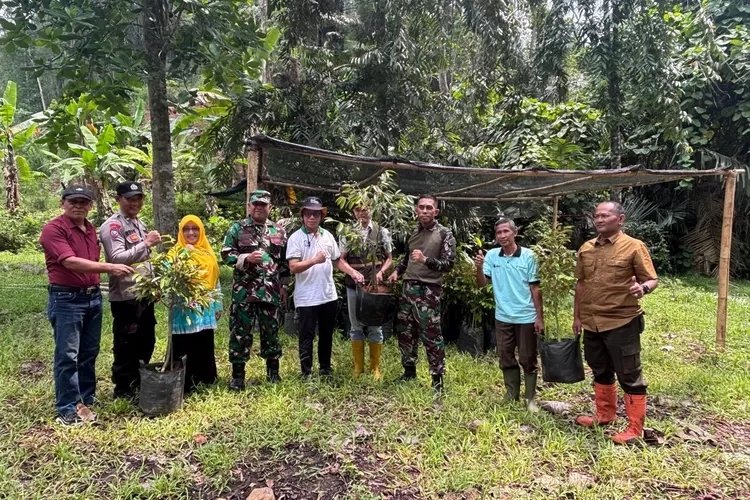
{"x": 203, "y": 254}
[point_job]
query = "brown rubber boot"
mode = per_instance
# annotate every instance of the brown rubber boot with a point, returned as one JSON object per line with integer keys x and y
{"x": 605, "y": 397}
{"x": 635, "y": 407}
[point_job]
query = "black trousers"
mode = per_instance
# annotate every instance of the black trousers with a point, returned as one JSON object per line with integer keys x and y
{"x": 520, "y": 335}
{"x": 324, "y": 316}
{"x": 617, "y": 352}
{"x": 200, "y": 365}
{"x": 133, "y": 327}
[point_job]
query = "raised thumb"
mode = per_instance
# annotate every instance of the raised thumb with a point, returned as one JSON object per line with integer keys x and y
{"x": 481, "y": 253}
{"x": 633, "y": 280}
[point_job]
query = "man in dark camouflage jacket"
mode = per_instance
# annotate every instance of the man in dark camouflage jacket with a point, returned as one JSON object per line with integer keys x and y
{"x": 255, "y": 248}
{"x": 430, "y": 253}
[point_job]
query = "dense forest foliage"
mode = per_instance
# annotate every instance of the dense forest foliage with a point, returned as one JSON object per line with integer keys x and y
{"x": 168, "y": 92}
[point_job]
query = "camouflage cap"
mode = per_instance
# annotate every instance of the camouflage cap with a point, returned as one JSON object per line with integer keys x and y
{"x": 261, "y": 196}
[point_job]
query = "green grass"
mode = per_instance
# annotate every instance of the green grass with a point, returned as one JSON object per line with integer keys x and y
{"x": 361, "y": 439}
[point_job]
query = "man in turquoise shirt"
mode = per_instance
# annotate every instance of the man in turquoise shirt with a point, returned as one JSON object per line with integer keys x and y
{"x": 519, "y": 315}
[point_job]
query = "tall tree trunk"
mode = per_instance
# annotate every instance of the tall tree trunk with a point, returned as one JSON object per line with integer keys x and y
{"x": 155, "y": 37}
{"x": 103, "y": 201}
{"x": 10, "y": 175}
{"x": 613, "y": 83}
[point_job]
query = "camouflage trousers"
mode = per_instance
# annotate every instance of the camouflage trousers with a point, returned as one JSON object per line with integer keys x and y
{"x": 242, "y": 317}
{"x": 419, "y": 317}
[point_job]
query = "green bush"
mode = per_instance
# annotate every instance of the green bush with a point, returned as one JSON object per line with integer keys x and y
{"x": 649, "y": 233}
{"x": 216, "y": 228}
{"x": 20, "y": 230}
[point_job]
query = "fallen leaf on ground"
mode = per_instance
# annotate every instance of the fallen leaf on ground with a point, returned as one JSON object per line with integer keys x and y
{"x": 652, "y": 437}
{"x": 580, "y": 479}
{"x": 475, "y": 425}
{"x": 555, "y": 407}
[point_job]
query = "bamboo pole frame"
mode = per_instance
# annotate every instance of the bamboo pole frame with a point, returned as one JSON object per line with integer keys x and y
{"x": 474, "y": 186}
{"x": 724, "y": 259}
{"x": 253, "y": 175}
{"x": 554, "y": 213}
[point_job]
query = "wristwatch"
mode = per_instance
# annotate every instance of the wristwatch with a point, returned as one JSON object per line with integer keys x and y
{"x": 646, "y": 289}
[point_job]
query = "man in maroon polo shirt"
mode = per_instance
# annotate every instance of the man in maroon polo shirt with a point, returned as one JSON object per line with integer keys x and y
{"x": 71, "y": 251}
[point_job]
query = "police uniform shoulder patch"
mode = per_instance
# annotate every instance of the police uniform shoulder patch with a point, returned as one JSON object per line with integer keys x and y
{"x": 114, "y": 230}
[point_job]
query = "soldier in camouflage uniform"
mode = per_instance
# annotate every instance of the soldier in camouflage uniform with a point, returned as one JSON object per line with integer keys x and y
{"x": 430, "y": 253}
{"x": 255, "y": 248}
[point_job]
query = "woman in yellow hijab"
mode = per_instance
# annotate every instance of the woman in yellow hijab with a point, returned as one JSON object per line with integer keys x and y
{"x": 193, "y": 331}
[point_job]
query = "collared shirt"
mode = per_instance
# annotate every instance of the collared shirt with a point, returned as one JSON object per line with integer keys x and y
{"x": 256, "y": 282}
{"x": 439, "y": 247}
{"x": 315, "y": 285}
{"x": 606, "y": 267}
{"x": 61, "y": 239}
{"x": 511, "y": 277}
{"x": 123, "y": 242}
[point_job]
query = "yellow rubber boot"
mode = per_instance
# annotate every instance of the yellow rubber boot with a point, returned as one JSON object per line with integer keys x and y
{"x": 375, "y": 350}
{"x": 358, "y": 352}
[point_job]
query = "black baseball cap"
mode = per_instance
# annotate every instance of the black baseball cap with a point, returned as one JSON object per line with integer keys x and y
{"x": 77, "y": 191}
{"x": 129, "y": 189}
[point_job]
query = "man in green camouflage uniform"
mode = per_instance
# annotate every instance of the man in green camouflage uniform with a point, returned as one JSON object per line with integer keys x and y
{"x": 255, "y": 248}
{"x": 430, "y": 253}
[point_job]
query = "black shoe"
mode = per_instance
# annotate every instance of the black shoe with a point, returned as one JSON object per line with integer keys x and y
{"x": 410, "y": 373}
{"x": 272, "y": 371}
{"x": 437, "y": 383}
{"x": 238, "y": 377}
{"x": 69, "y": 420}
{"x": 326, "y": 372}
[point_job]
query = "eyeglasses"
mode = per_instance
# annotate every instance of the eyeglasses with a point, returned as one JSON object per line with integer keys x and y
{"x": 311, "y": 215}
{"x": 191, "y": 230}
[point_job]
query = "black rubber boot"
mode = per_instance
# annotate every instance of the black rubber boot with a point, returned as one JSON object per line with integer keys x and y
{"x": 410, "y": 373}
{"x": 437, "y": 384}
{"x": 512, "y": 380}
{"x": 529, "y": 380}
{"x": 238, "y": 377}
{"x": 272, "y": 371}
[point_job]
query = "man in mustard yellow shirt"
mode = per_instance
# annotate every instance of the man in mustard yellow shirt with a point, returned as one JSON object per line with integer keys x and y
{"x": 614, "y": 272}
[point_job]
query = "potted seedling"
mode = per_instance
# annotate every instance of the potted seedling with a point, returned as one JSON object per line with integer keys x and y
{"x": 561, "y": 355}
{"x": 391, "y": 209}
{"x": 475, "y": 304}
{"x": 173, "y": 279}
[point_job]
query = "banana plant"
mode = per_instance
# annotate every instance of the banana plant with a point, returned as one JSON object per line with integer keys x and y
{"x": 99, "y": 162}
{"x": 12, "y": 140}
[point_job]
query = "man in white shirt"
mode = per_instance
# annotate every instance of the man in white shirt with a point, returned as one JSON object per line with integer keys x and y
{"x": 313, "y": 253}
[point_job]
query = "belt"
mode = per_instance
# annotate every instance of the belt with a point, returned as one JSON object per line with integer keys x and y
{"x": 422, "y": 284}
{"x": 90, "y": 290}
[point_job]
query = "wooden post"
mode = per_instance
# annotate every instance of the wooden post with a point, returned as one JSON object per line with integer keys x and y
{"x": 724, "y": 258}
{"x": 251, "y": 175}
{"x": 554, "y": 213}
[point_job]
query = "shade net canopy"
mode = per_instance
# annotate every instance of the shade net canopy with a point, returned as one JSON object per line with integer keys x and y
{"x": 318, "y": 170}
{"x": 288, "y": 164}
